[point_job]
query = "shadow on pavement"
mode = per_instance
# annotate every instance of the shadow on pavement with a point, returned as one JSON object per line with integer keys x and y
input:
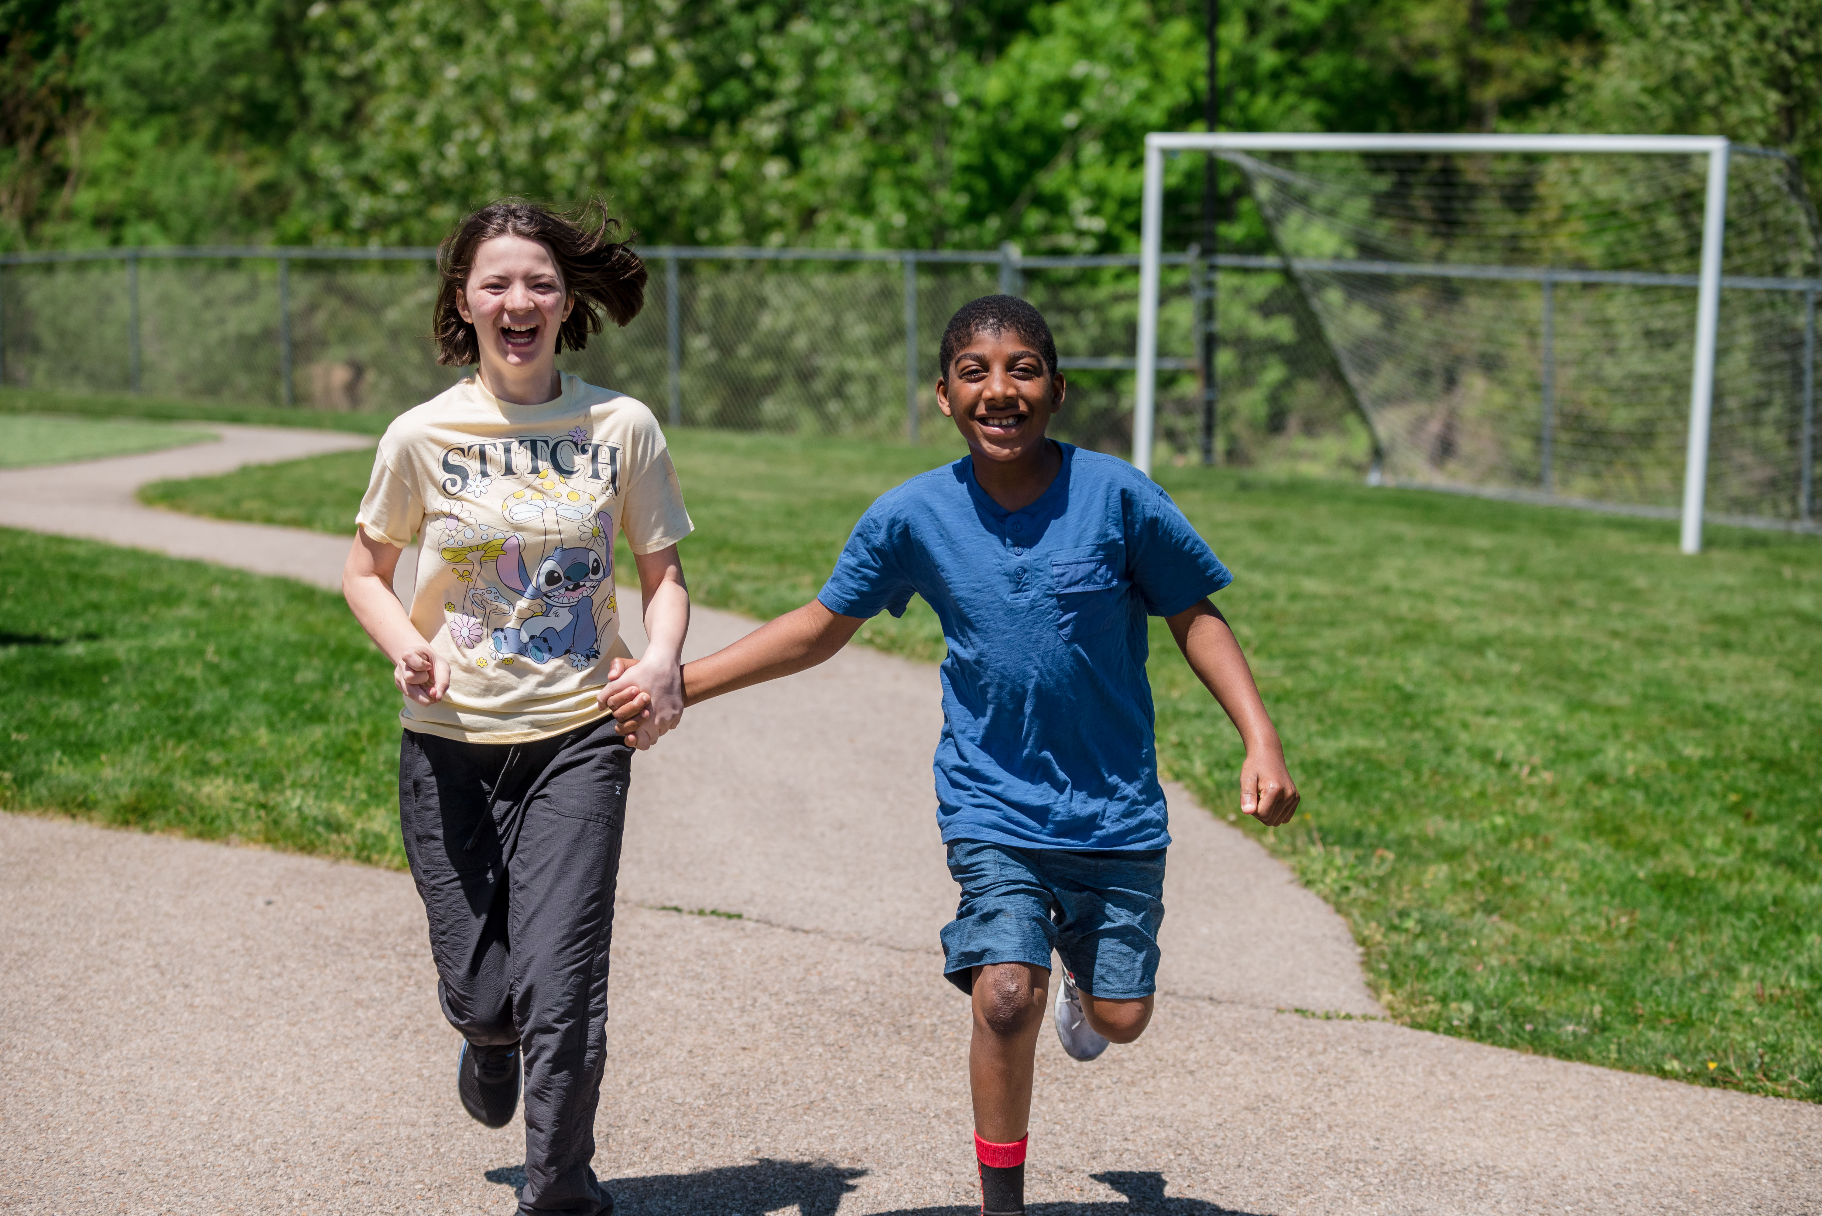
{"x": 813, "y": 1188}
{"x": 1144, "y": 1194}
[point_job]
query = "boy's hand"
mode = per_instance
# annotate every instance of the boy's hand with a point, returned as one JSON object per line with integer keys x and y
{"x": 1266, "y": 790}
{"x": 646, "y": 698}
{"x": 420, "y": 674}
{"x": 630, "y": 704}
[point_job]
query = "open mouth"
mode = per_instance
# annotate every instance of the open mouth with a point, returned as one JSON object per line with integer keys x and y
{"x": 1001, "y": 424}
{"x": 519, "y": 337}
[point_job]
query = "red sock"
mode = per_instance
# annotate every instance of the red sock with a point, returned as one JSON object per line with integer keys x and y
{"x": 1002, "y": 1176}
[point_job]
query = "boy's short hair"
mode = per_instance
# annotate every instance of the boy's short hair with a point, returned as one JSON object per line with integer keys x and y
{"x": 598, "y": 271}
{"x": 996, "y": 315}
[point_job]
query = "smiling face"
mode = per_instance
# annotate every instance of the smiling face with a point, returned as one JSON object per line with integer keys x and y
{"x": 516, "y": 302}
{"x": 568, "y": 576}
{"x": 1001, "y": 396}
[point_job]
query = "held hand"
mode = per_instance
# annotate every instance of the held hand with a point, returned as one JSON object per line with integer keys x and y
{"x": 1266, "y": 790}
{"x": 646, "y": 698}
{"x": 420, "y": 675}
{"x": 630, "y": 705}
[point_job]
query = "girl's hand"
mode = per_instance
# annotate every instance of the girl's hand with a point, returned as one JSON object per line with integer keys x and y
{"x": 1266, "y": 790}
{"x": 420, "y": 675}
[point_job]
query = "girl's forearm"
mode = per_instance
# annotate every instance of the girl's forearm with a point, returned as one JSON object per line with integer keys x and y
{"x": 667, "y": 619}
{"x": 367, "y": 586}
{"x": 666, "y": 602}
{"x": 798, "y": 640}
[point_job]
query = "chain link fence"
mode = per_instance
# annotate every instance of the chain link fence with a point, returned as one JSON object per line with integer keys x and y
{"x": 826, "y": 342}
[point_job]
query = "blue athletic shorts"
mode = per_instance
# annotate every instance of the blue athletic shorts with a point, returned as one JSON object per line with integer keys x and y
{"x": 1099, "y": 911}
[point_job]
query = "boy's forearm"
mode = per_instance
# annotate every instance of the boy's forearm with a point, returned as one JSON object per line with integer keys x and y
{"x": 799, "y": 639}
{"x": 1215, "y": 656}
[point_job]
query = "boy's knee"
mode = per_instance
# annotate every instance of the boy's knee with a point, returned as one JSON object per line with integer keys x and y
{"x": 1118, "y": 1021}
{"x": 1006, "y": 998}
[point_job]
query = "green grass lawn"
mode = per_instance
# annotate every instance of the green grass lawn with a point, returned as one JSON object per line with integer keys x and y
{"x": 179, "y": 696}
{"x": 1564, "y": 783}
{"x": 40, "y": 439}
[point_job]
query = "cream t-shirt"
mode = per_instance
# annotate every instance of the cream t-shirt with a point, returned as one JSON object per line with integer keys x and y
{"x": 517, "y": 507}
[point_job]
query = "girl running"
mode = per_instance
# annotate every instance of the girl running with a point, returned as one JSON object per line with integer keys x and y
{"x": 512, "y": 773}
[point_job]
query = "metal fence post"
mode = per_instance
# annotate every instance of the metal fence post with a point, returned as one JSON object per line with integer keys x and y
{"x": 673, "y": 337}
{"x": 1206, "y": 346}
{"x": 1806, "y": 443}
{"x": 910, "y": 348}
{"x": 1012, "y": 283}
{"x": 1546, "y": 442}
{"x": 133, "y": 320}
{"x": 288, "y": 390}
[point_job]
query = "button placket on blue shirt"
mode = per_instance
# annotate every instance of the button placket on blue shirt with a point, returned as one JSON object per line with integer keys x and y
{"x": 1015, "y": 526}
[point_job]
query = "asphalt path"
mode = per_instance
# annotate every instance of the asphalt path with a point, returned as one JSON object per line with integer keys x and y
{"x": 189, "y": 1027}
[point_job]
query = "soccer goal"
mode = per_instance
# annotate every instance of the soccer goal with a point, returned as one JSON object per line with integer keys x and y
{"x": 1616, "y": 321}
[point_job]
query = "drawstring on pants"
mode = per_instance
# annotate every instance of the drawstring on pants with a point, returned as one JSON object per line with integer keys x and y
{"x": 512, "y": 757}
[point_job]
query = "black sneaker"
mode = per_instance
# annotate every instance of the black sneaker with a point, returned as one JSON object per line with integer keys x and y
{"x": 487, "y": 1078}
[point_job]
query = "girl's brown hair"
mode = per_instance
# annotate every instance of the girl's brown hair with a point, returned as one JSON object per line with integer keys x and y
{"x": 602, "y": 274}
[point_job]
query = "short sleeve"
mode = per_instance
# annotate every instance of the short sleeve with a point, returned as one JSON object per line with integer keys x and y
{"x": 652, "y": 516}
{"x": 1172, "y": 566}
{"x": 391, "y": 510}
{"x": 869, "y": 575}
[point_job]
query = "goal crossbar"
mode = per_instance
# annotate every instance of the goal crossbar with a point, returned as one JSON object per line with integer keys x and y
{"x": 1708, "y": 280}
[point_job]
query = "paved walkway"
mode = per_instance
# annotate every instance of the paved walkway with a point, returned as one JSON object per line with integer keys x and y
{"x": 194, "y": 1028}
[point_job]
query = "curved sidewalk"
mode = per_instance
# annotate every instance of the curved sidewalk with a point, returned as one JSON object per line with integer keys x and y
{"x": 193, "y": 1028}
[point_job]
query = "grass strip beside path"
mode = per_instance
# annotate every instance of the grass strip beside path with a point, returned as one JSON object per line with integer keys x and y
{"x": 164, "y": 409}
{"x": 1564, "y": 783}
{"x": 49, "y": 439}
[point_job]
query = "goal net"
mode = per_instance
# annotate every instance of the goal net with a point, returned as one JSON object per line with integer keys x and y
{"x": 1525, "y": 324}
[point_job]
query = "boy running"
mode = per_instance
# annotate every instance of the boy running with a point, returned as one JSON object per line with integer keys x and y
{"x": 1042, "y": 562}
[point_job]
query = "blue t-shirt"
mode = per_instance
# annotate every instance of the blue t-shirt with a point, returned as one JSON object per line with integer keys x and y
{"x": 1047, "y": 715}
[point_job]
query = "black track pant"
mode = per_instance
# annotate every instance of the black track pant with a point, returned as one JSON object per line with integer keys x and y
{"x": 515, "y": 850}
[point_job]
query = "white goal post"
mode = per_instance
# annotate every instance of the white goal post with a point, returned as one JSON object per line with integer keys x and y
{"x": 1701, "y": 389}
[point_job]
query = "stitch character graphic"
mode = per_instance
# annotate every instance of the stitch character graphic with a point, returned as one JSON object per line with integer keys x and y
{"x": 552, "y": 578}
{"x": 562, "y": 590}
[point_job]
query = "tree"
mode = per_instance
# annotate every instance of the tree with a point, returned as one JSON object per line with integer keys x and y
{"x": 1747, "y": 69}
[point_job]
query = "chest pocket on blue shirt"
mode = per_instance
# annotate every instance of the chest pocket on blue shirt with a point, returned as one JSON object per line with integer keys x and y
{"x": 1090, "y": 592}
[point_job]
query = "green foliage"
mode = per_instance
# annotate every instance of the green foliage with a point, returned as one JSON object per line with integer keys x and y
{"x": 1747, "y": 69}
{"x": 838, "y": 122}
{"x": 1563, "y": 782}
{"x": 41, "y": 111}
{"x": 1050, "y": 153}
